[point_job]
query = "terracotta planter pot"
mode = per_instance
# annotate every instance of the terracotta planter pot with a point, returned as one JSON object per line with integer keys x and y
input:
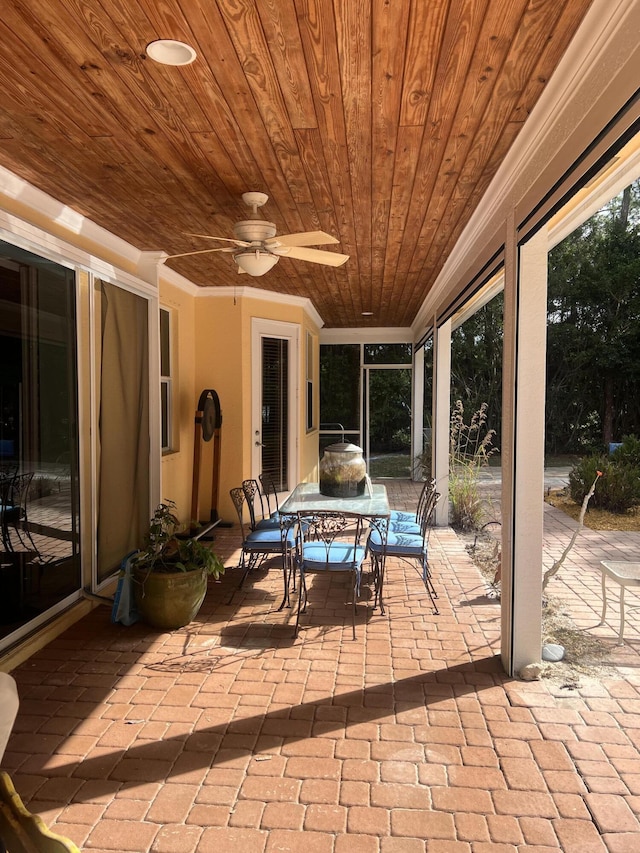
{"x": 169, "y": 600}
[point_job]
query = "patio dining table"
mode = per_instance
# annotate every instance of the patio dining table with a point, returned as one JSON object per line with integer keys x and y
{"x": 373, "y": 504}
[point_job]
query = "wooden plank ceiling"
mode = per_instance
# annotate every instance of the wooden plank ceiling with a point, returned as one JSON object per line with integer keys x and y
{"x": 381, "y": 123}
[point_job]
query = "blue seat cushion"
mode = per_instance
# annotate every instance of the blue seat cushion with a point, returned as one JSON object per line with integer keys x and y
{"x": 399, "y": 515}
{"x": 10, "y": 513}
{"x": 337, "y": 557}
{"x": 268, "y": 538}
{"x": 405, "y": 527}
{"x": 398, "y": 544}
{"x": 270, "y": 523}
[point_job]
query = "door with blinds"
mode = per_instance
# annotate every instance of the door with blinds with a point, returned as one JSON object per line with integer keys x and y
{"x": 275, "y": 350}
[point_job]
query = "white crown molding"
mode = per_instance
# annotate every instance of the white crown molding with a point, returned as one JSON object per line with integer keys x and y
{"x": 13, "y": 187}
{"x": 30, "y": 237}
{"x": 177, "y": 280}
{"x": 605, "y": 22}
{"x": 149, "y": 265}
{"x": 266, "y": 295}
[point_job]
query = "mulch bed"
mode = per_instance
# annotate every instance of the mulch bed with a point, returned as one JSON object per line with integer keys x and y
{"x": 596, "y": 519}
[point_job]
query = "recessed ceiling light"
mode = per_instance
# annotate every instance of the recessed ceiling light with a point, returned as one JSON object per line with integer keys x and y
{"x": 170, "y": 52}
{"x": 367, "y": 313}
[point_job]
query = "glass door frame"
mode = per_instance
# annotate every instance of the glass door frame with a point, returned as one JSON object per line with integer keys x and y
{"x": 365, "y": 420}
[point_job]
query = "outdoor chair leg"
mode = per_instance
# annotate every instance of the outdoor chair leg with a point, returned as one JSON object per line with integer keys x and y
{"x": 355, "y": 597}
{"x": 245, "y": 567}
{"x": 302, "y": 591}
{"x": 426, "y": 577}
{"x": 377, "y": 566}
{"x": 286, "y": 575}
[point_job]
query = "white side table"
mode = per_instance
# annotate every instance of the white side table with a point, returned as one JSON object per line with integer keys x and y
{"x": 624, "y": 574}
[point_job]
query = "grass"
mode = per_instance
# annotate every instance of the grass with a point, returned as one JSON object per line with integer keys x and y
{"x": 396, "y": 465}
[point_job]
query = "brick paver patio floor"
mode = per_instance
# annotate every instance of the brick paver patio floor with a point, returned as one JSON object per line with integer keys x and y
{"x": 229, "y": 735}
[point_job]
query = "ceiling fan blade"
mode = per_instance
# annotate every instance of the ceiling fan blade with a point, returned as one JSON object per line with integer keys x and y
{"x": 199, "y": 252}
{"x": 224, "y": 239}
{"x": 304, "y": 238}
{"x": 316, "y": 256}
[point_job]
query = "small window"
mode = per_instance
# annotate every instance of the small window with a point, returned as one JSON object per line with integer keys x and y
{"x": 309, "y": 377}
{"x": 165, "y": 380}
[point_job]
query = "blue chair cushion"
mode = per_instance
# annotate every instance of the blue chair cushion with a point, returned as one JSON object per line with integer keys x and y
{"x": 268, "y": 538}
{"x": 399, "y": 515}
{"x": 411, "y": 527}
{"x": 270, "y": 523}
{"x": 400, "y": 544}
{"x": 338, "y": 557}
{"x": 11, "y": 513}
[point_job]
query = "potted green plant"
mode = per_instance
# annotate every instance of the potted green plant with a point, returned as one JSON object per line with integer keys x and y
{"x": 170, "y": 573}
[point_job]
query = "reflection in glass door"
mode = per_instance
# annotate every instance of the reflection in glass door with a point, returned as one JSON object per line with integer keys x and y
{"x": 39, "y": 547}
{"x": 387, "y": 421}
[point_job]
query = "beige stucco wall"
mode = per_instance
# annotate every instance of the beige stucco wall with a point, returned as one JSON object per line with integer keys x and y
{"x": 212, "y": 349}
{"x": 177, "y": 465}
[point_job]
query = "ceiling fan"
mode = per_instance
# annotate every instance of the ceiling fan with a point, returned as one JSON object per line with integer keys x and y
{"x": 256, "y": 249}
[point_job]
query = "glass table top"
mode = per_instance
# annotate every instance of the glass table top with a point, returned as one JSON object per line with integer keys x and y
{"x": 306, "y": 497}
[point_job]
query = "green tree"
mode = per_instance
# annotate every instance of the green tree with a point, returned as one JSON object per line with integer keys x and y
{"x": 593, "y": 361}
{"x": 476, "y": 363}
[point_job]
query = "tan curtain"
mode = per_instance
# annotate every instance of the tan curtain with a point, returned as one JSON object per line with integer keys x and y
{"x": 123, "y": 490}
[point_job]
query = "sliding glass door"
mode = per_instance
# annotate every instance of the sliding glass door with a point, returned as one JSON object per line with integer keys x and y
{"x": 39, "y": 515}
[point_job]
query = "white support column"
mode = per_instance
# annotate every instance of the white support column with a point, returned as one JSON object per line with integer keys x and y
{"x": 417, "y": 432}
{"x": 441, "y": 417}
{"x": 525, "y": 323}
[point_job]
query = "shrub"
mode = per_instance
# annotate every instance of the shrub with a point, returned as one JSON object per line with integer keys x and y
{"x": 619, "y": 486}
{"x": 401, "y": 440}
{"x": 422, "y": 463}
{"x": 628, "y": 453}
{"x": 470, "y": 447}
{"x": 466, "y": 504}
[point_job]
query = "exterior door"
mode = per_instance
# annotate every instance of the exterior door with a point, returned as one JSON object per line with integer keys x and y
{"x": 275, "y": 402}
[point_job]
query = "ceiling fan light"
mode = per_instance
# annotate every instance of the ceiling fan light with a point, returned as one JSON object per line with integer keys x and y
{"x": 254, "y": 262}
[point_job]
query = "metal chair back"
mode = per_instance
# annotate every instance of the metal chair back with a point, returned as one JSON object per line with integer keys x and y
{"x": 270, "y": 491}
{"x": 329, "y": 541}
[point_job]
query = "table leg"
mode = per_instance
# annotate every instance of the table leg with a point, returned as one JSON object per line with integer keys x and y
{"x": 604, "y": 598}
{"x": 621, "y": 631}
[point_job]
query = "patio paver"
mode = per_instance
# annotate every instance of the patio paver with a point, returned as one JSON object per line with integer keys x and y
{"x": 229, "y": 735}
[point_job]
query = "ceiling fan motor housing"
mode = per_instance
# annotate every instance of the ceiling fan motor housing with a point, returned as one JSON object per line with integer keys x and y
{"x": 254, "y": 230}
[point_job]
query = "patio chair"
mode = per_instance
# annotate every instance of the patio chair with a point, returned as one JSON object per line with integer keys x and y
{"x": 261, "y": 544}
{"x": 255, "y": 498}
{"x": 328, "y": 541}
{"x": 405, "y": 546}
{"x": 270, "y": 494}
{"x": 14, "y": 495}
{"x": 410, "y": 522}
